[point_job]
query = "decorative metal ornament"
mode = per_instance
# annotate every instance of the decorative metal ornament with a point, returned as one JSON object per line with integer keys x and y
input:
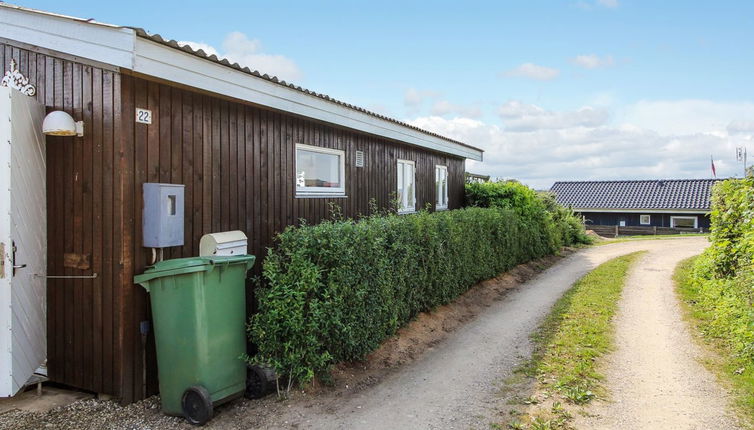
{"x": 14, "y": 79}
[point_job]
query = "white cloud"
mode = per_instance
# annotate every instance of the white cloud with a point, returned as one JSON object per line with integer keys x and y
{"x": 414, "y": 98}
{"x": 588, "y": 5}
{"x": 238, "y": 48}
{"x": 686, "y": 116}
{"x": 533, "y": 71}
{"x": 593, "y": 61}
{"x": 608, "y": 3}
{"x": 444, "y": 107}
{"x": 546, "y": 146}
{"x": 741, "y": 127}
{"x": 519, "y": 116}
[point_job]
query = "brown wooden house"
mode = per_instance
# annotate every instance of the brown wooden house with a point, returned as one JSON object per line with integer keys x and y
{"x": 254, "y": 153}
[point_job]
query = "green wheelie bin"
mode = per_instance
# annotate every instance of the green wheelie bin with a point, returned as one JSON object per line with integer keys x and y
{"x": 199, "y": 318}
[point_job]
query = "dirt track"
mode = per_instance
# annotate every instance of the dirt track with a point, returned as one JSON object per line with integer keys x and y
{"x": 457, "y": 384}
{"x": 654, "y": 376}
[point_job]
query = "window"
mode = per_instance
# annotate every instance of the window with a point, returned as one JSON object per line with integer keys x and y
{"x": 441, "y": 187}
{"x": 645, "y": 219}
{"x": 319, "y": 171}
{"x": 683, "y": 222}
{"x": 406, "y": 186}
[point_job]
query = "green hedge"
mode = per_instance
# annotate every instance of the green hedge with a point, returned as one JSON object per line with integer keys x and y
{"x": 559, "y": 224}
{"x": 722, "y": 278}
{"x": 732, "y": 230}
{"x": 334, "y": 291}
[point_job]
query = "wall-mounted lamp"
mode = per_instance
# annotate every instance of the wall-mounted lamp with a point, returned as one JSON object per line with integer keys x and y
{"x": 59, "y": 123}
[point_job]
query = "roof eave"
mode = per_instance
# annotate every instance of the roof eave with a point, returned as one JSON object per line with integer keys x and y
{"x": 633, "y": 210}
{"x": 155, "y": 59}
{"x": 124, "y": 48}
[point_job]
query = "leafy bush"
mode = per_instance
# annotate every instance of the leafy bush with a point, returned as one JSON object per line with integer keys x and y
{"x": 732, "y": 231}
{"x": 335, "y": 291}
{"x": 558, "y": 223}
{"x": 722, "y": 278}
{"x": 719, "y": 286}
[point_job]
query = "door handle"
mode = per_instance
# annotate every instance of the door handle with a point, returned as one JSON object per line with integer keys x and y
{"x": 15, "y": 266}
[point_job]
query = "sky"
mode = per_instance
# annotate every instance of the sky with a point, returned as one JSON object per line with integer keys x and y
{"x": 551, "y": 90}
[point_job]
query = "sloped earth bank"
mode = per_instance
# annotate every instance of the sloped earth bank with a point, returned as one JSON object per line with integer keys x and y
{"x": 654, "y": 377}
{"x": 445, "y": 370}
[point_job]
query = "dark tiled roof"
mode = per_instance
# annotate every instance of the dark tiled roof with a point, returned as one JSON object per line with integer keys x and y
{"x": 649, "y": 194}
{"x": 201, "y": 54}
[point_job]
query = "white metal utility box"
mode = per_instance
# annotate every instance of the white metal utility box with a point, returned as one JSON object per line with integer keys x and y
{"x": 163, "y": 215}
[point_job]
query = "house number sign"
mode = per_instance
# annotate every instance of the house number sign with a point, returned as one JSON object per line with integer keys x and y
{"x": 143, "y": 116}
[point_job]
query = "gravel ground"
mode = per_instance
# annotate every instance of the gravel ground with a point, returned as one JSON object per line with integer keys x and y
{"x": 93, "y": 414}
{"x": 454, "y": 385}
{"x": 654, "y": 376}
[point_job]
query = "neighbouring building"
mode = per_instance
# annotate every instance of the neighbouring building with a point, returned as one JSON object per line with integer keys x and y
{"x": 253, "y": 153}
{"x": 675, "y": 203}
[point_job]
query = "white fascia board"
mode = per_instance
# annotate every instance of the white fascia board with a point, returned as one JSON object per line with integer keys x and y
{"x": 154, "y": 59}
{"x": 644, "y": 211}
{"x": 121, "y": 47}
{"x": 99, "y": 42}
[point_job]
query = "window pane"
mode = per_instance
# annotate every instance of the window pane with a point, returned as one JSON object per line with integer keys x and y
{"x": 401, "y": 194}
{"x": 683, "y": 222}
{"x": 441, "y": 186}
{"x": 409, "y": 186}
{"x": 406, "y": 193}
{"x": 316, "y": 169}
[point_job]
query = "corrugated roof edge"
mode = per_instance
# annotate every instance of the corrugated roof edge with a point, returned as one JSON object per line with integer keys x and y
{"x": 172, "y": 43}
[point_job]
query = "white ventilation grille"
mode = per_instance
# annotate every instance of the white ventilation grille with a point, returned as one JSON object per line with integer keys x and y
{"x": 359, "y": 159}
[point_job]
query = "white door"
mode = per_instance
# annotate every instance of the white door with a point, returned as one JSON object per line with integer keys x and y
{"x": 23, "y": 240}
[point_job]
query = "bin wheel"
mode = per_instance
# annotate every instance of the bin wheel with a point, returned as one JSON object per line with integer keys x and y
{"x": 197, "y": 405}
{"x": 259, "y": 382}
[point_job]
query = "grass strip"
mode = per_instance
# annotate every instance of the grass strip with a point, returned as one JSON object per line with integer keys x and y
{"x": 733, "y": 369}
{"x": 609, "y": 241}
{"x": 568, "y": 343}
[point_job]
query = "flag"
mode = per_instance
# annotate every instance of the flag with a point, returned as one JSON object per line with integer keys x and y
{"x": 714, "y": 173}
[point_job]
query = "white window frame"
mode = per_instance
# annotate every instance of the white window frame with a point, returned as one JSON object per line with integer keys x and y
{"x": 641, "y": 219}
{"x": 406, "y": 208}
{"x": 322, "y": 191}
{"x": 673, "y": 218}
{"x": 441, "y": 195}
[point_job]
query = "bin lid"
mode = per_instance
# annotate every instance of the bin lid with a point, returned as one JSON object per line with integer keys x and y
{"x": 179, "y": 266}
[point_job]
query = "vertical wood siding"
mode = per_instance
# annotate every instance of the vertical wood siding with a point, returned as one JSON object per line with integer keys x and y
{"x": 237, "y": 162}
{"x": 238, "y": 165}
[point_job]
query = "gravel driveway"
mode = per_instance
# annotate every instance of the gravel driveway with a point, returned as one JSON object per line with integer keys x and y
{"x": 654, "y": 376}
{"x": 457, "y": 385}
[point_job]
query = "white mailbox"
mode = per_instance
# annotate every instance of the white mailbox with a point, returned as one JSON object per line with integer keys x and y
{"x": 223, "y": 243}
